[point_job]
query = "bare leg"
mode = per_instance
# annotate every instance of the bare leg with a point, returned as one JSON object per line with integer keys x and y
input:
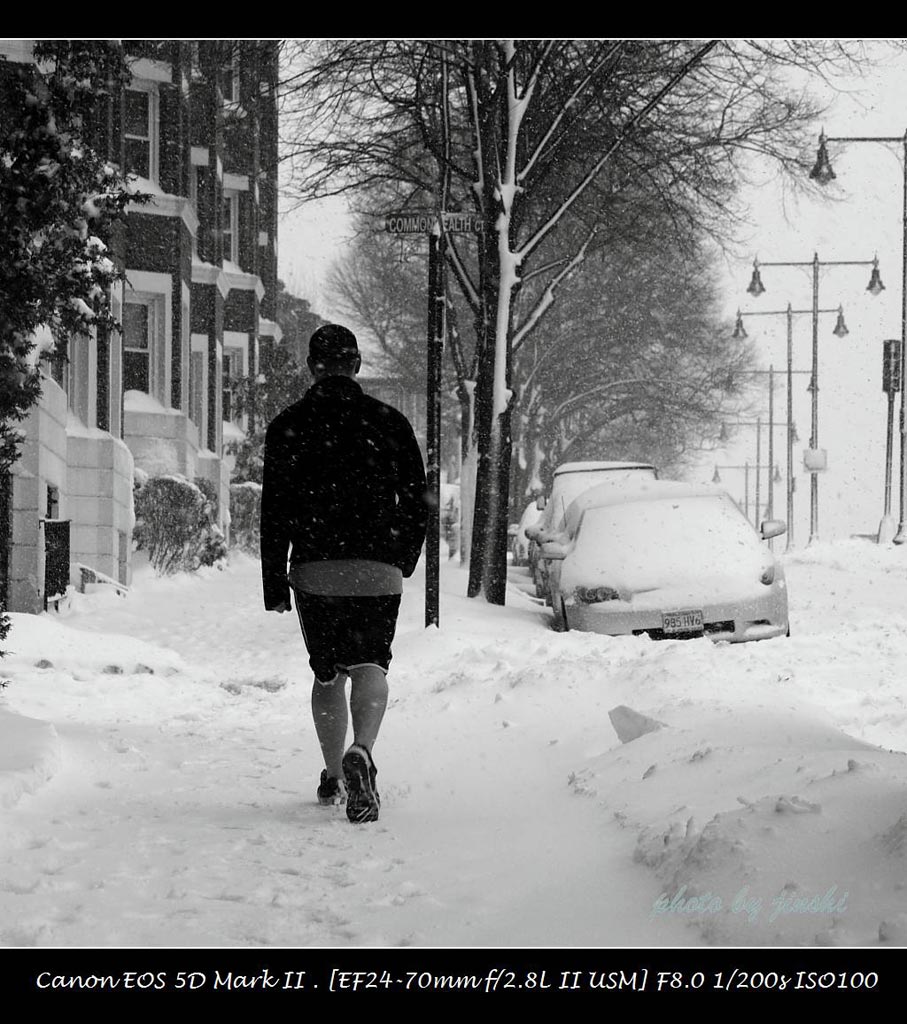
{"x": 368, "y": 700}
{"x": 330, "y": 714}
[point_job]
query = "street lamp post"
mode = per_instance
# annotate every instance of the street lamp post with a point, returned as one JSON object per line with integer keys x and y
{"x": 758, "y": 424}
{"x": 746, "y": 467}
{"x": 775, "y": 477}
{"x": 789, "y": 314}
{"x": 815, "y": 461}
{"x": 823, "y": 173}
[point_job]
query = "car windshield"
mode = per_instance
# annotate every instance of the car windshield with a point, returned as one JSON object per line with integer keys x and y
{"x": 653, "y": 543}
{"x": 569, "y": 486}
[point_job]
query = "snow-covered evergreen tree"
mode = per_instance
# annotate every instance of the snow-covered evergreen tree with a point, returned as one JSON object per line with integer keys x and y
{"x": 59, "y": 198}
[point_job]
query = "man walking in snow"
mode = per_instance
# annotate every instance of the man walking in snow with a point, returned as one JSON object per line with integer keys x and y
{"x": 343, "y": 493}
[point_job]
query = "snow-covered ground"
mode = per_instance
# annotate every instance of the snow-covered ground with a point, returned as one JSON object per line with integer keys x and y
{"x": 171, "y": 799}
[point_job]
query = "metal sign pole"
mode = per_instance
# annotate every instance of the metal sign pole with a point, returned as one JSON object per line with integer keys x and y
{"x": 433, "y": 428}
{"x": 790, "y": 429}
{"x": 891, "y": 385}
{"x": 435, "y": 226}
{"x": 771, "y": 442}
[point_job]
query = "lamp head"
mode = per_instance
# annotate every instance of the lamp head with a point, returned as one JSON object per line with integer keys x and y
{"x": 822, "y": 171}
{"x": 875, "y": 281}
{"x": 756, "y": 287}
{"x": 716, "y": 476}
{"x": 739, "y": 331}
{"x": 840, "y": 330}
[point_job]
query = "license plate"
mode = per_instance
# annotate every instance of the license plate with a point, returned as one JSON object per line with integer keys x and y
{"x": 681, "y": 622}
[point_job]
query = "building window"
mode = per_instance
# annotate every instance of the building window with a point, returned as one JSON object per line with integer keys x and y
{"x": 53, "y": 502}
{"x": 143, "y": 348}
{"x": 136, "y": 348}
{"x": 231, "y": 77}
{"x": 199, "y": 397}
{"x": 233, "y": 371}
{"x": 196, "y": 188}
{"x": 197, "y": 184}
{"x": 141, "y": 133}
{"x": 109, "y": 374}
{"x": 197, "y": 394}
{"x": 58, "y": 366}
{"x": 231, "y": 226}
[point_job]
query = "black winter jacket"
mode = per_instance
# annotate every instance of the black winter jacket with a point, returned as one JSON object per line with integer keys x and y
{"x": 343, "y": 478}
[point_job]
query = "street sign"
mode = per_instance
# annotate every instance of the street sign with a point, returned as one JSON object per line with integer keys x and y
{"x": 424, "y": 223}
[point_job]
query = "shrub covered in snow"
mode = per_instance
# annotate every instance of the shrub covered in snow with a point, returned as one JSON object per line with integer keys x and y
{"x": 176, "y": 523}
{"x": 245, "y": 516}
{"x": 213, "y": 545}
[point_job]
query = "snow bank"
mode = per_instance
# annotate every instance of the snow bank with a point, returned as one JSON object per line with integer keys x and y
{"x": 29, "y": 755}
{"x": 41, "y": 642}
{"x": 767, "y": 809}
{"x": 141, "y": 401}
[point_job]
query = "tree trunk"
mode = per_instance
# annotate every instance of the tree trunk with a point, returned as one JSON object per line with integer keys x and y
{"x": 488, "y": 565}
{"x": 468, "y": 463}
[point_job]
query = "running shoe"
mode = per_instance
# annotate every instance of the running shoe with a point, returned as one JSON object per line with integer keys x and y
{"x": 359, "y": 772}
{"x": 330, "y": 789}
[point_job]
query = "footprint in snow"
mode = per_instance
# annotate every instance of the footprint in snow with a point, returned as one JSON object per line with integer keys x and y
{"x": 19, "y": 888}
{"x": 27, "y": 935}
{"x": 407, "y": 892}
{"x": 797, "y": 805}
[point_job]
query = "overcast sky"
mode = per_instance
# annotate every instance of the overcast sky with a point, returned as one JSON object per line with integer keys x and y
{"x": 861, "y": 217}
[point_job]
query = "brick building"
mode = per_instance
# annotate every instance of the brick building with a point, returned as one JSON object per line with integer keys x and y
{"x": 197, "y": 126}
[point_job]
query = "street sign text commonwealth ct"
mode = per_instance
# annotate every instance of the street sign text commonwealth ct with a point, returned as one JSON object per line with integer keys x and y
{"x": 424, "y": 223}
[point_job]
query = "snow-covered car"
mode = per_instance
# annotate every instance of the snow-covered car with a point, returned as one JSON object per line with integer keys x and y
{"x": 449, "y": 517}
{"x": 520, "y": 542}
{"x": 671, "y": 560}
{"x": 569, "y": 481}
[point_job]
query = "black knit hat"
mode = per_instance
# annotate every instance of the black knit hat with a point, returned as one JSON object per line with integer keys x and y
{"x": 333, "y": 344}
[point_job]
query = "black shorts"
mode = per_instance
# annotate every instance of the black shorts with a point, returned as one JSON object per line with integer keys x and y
{"x": 343, "y": 632}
